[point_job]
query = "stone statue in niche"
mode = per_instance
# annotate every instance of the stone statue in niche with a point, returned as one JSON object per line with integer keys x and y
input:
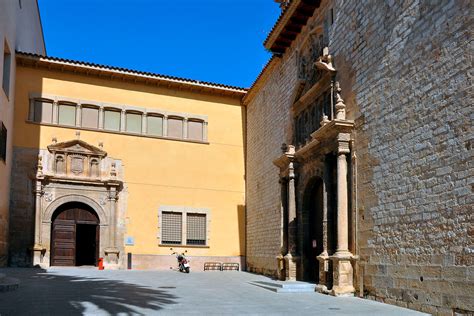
{"x": 94, "y": 168}
{"x": 77, "y": 165}
{"x": 60, "y": 166}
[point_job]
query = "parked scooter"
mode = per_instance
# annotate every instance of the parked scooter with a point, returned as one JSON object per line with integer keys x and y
{"x": 183, "y": 263}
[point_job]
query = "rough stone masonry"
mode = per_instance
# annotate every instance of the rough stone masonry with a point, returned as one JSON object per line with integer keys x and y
{"x": 405, "y": 70}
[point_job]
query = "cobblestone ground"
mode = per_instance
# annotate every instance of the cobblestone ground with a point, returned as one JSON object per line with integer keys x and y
{"x": 87, "y": 291}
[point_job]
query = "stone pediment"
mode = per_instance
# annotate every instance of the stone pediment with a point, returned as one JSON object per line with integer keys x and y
{"x": 77, "y": 146}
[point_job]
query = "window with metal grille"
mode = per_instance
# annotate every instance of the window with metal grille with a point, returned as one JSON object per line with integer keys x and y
{"x": 3, "y": 142}
{"x": 171, "y": 231}
{"x": 195, "y": 229}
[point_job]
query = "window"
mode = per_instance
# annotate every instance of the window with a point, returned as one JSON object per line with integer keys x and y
{"x": 43, "y": 111}
{"x": 195, "y": 229}
{"x": 133, "y": 122}
{"x": 195, "y": 130}
{"x": 3, "y": 143}
{"x": 171, "y": 231}
{"x": 112, "y": 120}
{"x": 154, "y": 125}
{"x": 6, "y": 70}
{"x": 67, "y": 114}
{"x": 175, "y": 127}
{"x": 181, "y": 225}
{"x": 90, "y": 117}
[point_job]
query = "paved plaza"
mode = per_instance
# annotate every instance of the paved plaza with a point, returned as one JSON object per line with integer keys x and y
{"x": 87, "y": 291}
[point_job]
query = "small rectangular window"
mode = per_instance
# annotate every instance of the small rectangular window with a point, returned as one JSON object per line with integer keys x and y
{"x": 6, "y": 70}
{"x": 43, "y": 111}
{"x": 154, "y": 125}
{"x": 171, "y": 230}
{"x": 112, "y": 120}
{"x": 133, "y": 122}
{"x": 67, "y": 114}
{"x": 90, "y": 117}
{"x": 195, "y": 130}
{"x": 3, "y": 143}
{"x": 195, "y": 229}
{"x": 175, "y": 127}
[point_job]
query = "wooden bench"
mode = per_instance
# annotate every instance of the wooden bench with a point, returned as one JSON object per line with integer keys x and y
{"x": 230, "y": 266}
{"x": 212, "y": 266}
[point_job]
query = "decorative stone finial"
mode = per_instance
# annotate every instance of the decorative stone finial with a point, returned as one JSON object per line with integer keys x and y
{"x": 340, "y": 106}
{"x": 54, "y": 140}
{"x": 78, "y": 134}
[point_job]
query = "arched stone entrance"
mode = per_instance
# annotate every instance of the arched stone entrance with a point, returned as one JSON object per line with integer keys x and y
{"x": 75, "y": 235}
{"x": 312, "y": 229}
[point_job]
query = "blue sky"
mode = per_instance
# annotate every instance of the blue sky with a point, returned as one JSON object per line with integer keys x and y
{"x": 209, "y": 40}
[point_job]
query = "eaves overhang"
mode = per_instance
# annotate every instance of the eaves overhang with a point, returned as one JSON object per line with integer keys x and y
{"x": 124, "y": 74}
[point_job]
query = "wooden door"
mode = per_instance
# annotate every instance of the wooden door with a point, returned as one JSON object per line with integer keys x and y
{"x": 64, "y": 243}
{"x": 64, "y": 234}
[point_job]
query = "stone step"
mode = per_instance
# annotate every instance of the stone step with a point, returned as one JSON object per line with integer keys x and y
{"x": 8, "y": 284}
{"x": 286, "y": 287}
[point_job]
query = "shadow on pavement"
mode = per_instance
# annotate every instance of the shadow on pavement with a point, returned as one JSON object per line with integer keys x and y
{"x": 48, "y": 293}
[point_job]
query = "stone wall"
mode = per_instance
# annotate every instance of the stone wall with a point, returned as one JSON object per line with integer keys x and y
{"x": 404, "y": 71}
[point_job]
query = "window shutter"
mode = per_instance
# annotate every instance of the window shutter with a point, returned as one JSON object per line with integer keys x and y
{"x": 196, "y": 229}
{"x": 90, "y": 117}
{"x": 43, "y": 112}
{"x": 112, "y": 120}
{"x": 67, "y": 114}
{"x": 171, "y": 228}
{"x": 154, "y": 125}
{"x": 194, "y": 130}
{"x": 133, "y": 122}
{"x": 175, "y": 127}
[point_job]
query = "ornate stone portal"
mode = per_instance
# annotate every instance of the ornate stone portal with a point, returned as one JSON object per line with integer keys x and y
{"x": 322, "y": 134}
{"x": 75, "y": 171}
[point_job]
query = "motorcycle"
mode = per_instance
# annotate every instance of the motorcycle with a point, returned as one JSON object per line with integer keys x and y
{"x": 183, "y": 263}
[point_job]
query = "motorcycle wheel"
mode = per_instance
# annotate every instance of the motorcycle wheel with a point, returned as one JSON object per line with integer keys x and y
{"x": 187, "y": 270}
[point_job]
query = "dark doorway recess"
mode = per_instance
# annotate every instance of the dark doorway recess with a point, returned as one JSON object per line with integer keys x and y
{"x": 74, "y": 236}
{"x": 313, "y": 229}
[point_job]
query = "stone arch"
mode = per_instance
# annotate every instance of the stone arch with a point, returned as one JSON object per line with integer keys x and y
{"x": 48, "y": 213}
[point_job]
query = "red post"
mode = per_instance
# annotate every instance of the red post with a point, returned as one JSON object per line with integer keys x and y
{"x": 101, "y": 263}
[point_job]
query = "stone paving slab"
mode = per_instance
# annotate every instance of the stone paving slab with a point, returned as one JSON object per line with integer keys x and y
{"x": 79, "y": 291}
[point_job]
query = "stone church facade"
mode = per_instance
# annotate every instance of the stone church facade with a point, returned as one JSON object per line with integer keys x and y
{"x": 359, "y": 152}
{"x": 348, "y": 163}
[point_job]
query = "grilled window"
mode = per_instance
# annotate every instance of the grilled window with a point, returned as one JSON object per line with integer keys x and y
{"x": 171, "y": 228}
{"x": 195, "y": 229}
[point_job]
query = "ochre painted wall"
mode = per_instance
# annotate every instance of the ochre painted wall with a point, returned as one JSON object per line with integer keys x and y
{"x": 157, "y": 172}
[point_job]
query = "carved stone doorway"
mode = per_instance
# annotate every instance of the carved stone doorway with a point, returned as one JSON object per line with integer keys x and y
{"x": 312, "y": 229}
{"x": 74, "y": 235}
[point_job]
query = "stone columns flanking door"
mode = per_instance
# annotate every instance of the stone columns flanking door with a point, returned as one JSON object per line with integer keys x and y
{"x": 342, "y": 259}
{"x": 286, "y": 163}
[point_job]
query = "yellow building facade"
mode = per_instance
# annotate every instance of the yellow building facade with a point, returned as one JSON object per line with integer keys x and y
{"x": 153, "y": 162}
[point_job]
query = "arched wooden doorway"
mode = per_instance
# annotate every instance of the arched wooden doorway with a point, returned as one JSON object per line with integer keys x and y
{"x": 312, "y": 229}
{"x": 74, "y": 236}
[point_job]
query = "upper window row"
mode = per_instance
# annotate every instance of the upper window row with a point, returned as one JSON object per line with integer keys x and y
{"x": 114, "y": 119}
